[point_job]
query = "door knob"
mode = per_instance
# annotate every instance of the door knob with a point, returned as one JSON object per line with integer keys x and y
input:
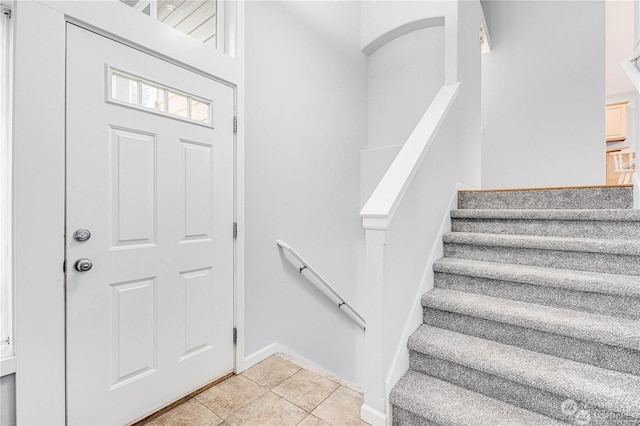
{"x": 81, "y": 235}
{"x": 83, "y": 265}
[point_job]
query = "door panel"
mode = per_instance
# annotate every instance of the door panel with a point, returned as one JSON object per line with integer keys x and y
{"x": 133, "y": 187}
{"x": 152, "y": 320}
{"x": 195, "y": 189}
{"x": 133, "y": 321}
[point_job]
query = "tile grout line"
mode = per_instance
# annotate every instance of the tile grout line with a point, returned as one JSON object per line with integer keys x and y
{"x": 328, "y": 396}
{"x": 224, "y": 419}
{"x": 317, "y": 405}
{"x": 263, "y": 395}
{"x": 216, "y": 414}
{"x": 300, "y": 368}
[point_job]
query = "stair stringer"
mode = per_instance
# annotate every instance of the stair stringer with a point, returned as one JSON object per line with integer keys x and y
{"x": 400, "y": 363}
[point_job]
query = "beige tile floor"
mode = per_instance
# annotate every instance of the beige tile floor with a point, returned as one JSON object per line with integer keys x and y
{"x": 274, "y": 392}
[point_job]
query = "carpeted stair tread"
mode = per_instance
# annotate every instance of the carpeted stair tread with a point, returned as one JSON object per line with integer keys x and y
{"x": 599, "y": 197}
{"x": 615, "y": 331}
{"x": 549, "y": 214}
{"x": 607, "y": 389}
{"x": 595, "y": 282}
{"x": 587, "y": 245}
{"x": 446, "y": 404}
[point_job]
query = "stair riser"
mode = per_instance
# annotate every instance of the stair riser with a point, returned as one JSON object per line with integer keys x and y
{"x": 588, "y": 352}
{"x": 525, "y": 396}
{"x": 606, "y": 304}
{"x": 401, "y": 417}
{"x": 581, "y": 261}
{"x": 557, "y": 228}
{"x": 580, "y": 198}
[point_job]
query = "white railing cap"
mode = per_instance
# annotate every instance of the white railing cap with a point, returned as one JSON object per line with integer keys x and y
{"x": 379, "y": 209}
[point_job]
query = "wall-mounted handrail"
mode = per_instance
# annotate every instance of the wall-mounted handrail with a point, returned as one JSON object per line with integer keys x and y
{"x": 378, "y": 211}
{"x": 316, "y": 279}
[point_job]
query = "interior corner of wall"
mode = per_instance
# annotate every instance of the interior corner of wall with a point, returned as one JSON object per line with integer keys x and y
{"x": 244, "y": 363}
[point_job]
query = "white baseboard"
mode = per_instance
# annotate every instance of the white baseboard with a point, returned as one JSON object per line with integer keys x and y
{"x": 286, "y": 353}
{"x": 400, "y": 363}
{"x": 373, "y": 417}
{"x": 256, "y": 357}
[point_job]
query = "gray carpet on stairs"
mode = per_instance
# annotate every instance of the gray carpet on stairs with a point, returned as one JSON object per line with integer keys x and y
{"x": 620, "y": 197}
{"x": 619, "y": 224}
{"x": 535, "y": 318}
{"x": 605, "y": 303}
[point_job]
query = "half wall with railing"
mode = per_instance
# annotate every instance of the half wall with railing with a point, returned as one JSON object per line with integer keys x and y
{"x": 403, "y": 217}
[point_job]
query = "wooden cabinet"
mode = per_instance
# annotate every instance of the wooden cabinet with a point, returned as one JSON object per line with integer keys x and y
{"x": 616, "y": 124}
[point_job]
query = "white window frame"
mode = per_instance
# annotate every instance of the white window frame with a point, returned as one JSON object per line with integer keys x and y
{"x": 7, "y": 353}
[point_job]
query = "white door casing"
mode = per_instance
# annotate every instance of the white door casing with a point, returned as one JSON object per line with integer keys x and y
{"x": 152, "y": 320}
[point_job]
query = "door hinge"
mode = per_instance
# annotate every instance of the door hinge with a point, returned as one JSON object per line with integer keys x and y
{"x": 64, "y": 266}
{"x": 235, "y": 230}
{"x": 6, "y": 11}
{"x": 235, "y": 124}
{"x": 235, "y": 336}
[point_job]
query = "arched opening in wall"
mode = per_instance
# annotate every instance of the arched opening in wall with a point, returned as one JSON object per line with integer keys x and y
{"x": 621, "y": 106}
{"x": 404, "y": 75}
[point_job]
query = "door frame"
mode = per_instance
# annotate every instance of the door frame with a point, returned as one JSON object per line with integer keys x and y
{"x": 39, "y": 174}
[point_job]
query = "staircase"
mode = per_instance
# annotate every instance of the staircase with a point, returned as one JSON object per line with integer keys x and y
{"x": 535, "y": 314}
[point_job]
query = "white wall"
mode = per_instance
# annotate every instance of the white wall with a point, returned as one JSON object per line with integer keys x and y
{"x": 543, "y": 92}
{"x": 7, "y": 400}
{"x": 306, "y": 109}
{"x": 619, "y": 44}
{"x": 404, "y": 76}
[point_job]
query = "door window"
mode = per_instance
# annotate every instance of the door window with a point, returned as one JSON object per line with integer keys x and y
{"x": 155, "y": 97}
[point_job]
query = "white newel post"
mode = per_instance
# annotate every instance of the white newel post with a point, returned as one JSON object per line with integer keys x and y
{"x": 374, "y": 409}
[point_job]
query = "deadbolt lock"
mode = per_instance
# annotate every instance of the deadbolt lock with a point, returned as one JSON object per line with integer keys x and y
{"x": 81, "y": 235}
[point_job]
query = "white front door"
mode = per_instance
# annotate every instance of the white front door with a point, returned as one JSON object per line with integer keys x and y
{"x": 150, "y": 176}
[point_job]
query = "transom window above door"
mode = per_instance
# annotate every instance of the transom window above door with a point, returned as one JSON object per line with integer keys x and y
{"x": 197, "y": 18}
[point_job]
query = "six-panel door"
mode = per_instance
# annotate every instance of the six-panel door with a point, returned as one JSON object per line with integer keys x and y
{"x": 150, "y": 175}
